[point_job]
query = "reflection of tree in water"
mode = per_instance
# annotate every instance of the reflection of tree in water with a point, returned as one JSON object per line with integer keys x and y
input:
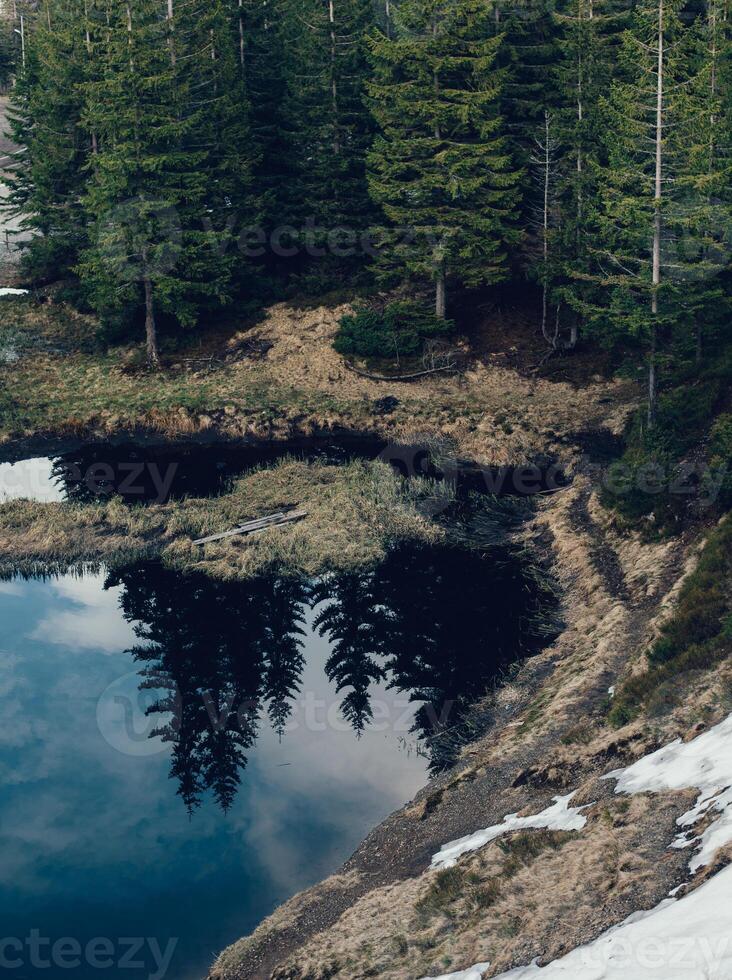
{"x": 355, "y": 625}
{"x": 220, "y": 650}
{"x": 438, "y": 623}
{"x": 443, "y": 622}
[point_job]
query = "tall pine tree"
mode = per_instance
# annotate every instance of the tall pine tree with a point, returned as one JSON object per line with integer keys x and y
{"x": 440, "y": 166}
{"x": 171, "y": 152}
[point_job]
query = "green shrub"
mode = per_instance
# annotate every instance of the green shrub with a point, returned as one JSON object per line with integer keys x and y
{"x": 697, "y": 637}
{"x": 447, "y": 888}
{"x": 399, "y": 331}
{"x": 720, "y": 458}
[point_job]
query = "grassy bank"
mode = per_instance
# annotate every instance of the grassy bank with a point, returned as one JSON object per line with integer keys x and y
{"x": 274, "y": 379}
{"x": 694, "y": 641}
{"x": 56, "y": 376}
{"x": 354, "y": 512}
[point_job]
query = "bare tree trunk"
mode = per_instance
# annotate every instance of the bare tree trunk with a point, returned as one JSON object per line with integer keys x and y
{"x": 151, "y": 333}
{"x": 387, "y": 11}
{"x": 712, "y": 17}
{"x": 441, "y": 294}
{"x": 545, "y": 226}
{"x": 580, "y": 117}
{"x": 129, "y": 38}
{"x": 94, "y": 143}
{"x": 22, "y": 40}
{"x": 334, "y": 77}
{"x": 242, "y": 46}
{"x": 657, "y": 222}
{"x": 171, "y": 32}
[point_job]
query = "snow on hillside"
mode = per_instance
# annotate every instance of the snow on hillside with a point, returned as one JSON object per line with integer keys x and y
{"x": 560, "y": 816}
{"x": 704, "y": 764}
{"x": 686, "y": 940}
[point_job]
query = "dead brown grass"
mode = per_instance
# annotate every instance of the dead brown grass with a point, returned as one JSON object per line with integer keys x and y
{"x": 64, "y": 382}
{"x": 354, "y": 512}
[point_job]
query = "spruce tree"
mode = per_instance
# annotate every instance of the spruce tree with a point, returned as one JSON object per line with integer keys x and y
{"x": 331, "y": 125}
{"x": 262, "y": 31}
{"x": 528, "y": 53}
{"x": 47, "y": 178}
{"x": 587, "y": 42}
{"x": 167, "y": 162}
{"x": 440, "y": 166}
{"x": 661, "y": 123}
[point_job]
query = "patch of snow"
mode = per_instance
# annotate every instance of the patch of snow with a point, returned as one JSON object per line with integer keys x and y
{"x": 560, "y": 816}
{"x": 704, "y": 764}
{"x": 689, "y": 939}
{"x": 474, "y": 973}
{"x": 7, "y": 291}
{"x": 611, "y": 691}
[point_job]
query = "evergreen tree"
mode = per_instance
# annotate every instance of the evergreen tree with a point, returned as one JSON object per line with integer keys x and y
{"x": 331, "y": 126}
{"x": 265, "y": 59}
{"x": 528, "y": 54}
{"x": 588, "y": 33}
{"x": 441, "y": 167}
{"x": 47, "y": 178}
{"x": 662, "y": 122}
{"x": 171, "y": 153}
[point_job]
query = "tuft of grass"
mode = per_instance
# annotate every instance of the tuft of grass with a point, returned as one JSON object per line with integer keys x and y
{"x": 523, "y": 849}
{"x": 447, "y": 887}
{"x": 696, "y": 638}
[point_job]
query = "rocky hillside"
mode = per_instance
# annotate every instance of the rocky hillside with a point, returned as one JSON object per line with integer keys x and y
{"x": 535, "y": 889}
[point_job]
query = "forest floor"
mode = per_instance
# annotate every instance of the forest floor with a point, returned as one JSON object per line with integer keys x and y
{"x": 280, "y": 378}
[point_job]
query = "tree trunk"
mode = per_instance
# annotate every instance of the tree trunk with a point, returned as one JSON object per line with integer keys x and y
{"x": 171, "y": 31}
{"x": 441, "y": 295}
{"x": 151, "y": 332}
{"x": 657, "y": 222}
{"x": 242, "y": 46}
{"x": 334, "y": 77}
{"x": 545, "y": 229}
{"x": 94, "y": 142}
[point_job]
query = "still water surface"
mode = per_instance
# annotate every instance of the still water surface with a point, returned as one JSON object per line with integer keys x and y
{"x": 245, "y": 781}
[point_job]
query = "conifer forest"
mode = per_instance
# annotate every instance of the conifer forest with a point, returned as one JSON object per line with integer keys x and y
{"x": 184, "y": 157}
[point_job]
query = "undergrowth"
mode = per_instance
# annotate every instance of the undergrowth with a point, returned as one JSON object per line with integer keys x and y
{"x": 696, "y": 638}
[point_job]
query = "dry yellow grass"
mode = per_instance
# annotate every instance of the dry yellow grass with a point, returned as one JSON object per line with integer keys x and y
{"x": 63, "y": 381}
{"x": 354, "y": 511}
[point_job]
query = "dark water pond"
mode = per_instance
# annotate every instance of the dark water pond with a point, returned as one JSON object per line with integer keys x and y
{"x": 141, "y": 473}
{"x": 178, "y": 755}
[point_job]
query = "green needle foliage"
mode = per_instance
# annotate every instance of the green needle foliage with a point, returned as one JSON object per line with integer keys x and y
{"x": 172, "y": 158}
{"x": 441, "y": 168}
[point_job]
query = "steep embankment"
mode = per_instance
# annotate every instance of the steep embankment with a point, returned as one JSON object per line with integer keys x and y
{"x": 537, "y": 893}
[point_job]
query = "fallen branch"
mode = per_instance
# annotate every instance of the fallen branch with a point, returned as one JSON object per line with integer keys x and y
{"x": 252, "y": 527}
{"x": 399, "y": 377}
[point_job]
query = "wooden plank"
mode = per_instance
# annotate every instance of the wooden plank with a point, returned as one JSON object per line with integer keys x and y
{"x": 251, "y": 527}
